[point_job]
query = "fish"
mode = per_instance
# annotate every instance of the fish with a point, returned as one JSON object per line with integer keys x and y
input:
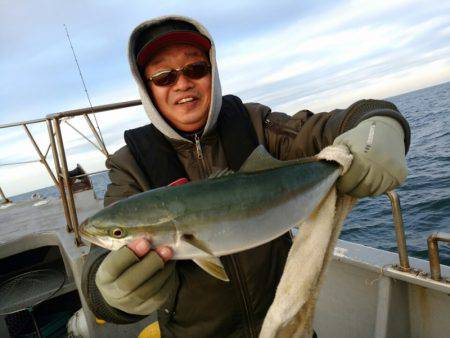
{"x": 231, "y": 212}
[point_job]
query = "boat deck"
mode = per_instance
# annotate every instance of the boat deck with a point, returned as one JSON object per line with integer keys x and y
{"x": 363, "y": 294}
{"x": 29, "y": 217}
{"x": 31, "y": 225}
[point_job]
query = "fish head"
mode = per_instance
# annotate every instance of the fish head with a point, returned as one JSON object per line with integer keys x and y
{"x": 146, "y": 215}
{"x": 119, "y": 224}
{"x": 108, "y": 235}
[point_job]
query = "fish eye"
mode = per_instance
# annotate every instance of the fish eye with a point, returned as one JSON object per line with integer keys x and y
{"x": 117, "y": 232}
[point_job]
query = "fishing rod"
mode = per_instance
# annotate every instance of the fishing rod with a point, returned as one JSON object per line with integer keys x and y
{"x": 83, "y": 82}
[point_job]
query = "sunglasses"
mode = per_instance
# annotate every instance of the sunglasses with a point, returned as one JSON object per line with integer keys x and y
{"x": 195, "y": 71}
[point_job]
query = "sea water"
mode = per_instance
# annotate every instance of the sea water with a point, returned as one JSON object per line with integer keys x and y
{"x": 425, "y": 196}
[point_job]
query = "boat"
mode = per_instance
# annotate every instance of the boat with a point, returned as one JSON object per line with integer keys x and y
{"x": 367, "y": 292}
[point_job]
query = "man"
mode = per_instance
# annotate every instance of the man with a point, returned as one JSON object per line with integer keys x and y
{"x": 196, "y": 132}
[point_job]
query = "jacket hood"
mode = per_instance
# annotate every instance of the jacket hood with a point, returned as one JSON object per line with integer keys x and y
{"x": 151, "y": 110}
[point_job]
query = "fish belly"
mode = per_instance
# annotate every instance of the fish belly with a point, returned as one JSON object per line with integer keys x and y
{"x": 256, "y": 226}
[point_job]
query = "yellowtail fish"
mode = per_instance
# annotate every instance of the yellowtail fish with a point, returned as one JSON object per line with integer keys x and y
{"x": 203, "y": 220}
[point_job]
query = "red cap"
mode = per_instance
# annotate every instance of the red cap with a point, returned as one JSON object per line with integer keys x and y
{"x": 188, "y": 37}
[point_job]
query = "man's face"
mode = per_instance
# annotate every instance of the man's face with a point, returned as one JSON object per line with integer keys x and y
{"x": 185, "y": 104}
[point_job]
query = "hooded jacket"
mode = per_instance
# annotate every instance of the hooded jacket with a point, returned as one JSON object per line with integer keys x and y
{"x": 201, "y": 306}
{"x": 155, "y": 117}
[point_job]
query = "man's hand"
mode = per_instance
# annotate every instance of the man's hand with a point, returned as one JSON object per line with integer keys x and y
{"x": 379, "y": 163}
{"x": 136, "y": 279}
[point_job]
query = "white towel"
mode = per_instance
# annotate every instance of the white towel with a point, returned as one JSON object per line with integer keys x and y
{"x": 292, "y": 310}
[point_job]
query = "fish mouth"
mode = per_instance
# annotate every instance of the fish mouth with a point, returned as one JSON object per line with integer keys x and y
{"x": 92, "y": 239}
{"x": 99, "y": 240}
{"x": 105, "y": 242}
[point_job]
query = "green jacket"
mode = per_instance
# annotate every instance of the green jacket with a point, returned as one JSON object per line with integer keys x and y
{"x": 202, "y": 306}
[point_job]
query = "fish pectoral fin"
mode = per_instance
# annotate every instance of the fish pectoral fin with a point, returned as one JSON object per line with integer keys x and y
{"x": 209, "y": 263}
{"x": 195, "y": 242}
{"x": 213, "y": 266}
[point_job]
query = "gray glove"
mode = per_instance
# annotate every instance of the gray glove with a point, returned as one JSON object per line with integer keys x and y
{"x": 136, "y": 286}
{"x": 379, "y": 163}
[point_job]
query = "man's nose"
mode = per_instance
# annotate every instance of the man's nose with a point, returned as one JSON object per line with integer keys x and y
{"x": 183, "y": 83}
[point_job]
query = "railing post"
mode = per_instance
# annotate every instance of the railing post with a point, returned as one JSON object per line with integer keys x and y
{"x": 433, "y": 253}
{"x": 67, "y": 187}
{"x": 399, "y": 230}
{"x": 40, "y": 154}
{"x": 4, "y": 198}
{"x": 60, "y": 183}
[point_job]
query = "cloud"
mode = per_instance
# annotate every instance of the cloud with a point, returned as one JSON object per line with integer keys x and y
{"x": 286, "y": 54}
{"x": 333, "y": 51}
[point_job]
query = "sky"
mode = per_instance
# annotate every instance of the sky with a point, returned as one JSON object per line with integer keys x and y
{"x": 287, "y": 54}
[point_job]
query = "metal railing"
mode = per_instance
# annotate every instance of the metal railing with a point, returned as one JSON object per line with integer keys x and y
{"x": 4, "y": 198}
{"x": 42, "y": 155}
{"x": 60, "y": 176}
{"x": 433, "y": 253}
{"x": 57, "y": 142}
{"x": 432, "y": 241}
{"x": 399, "y": 230}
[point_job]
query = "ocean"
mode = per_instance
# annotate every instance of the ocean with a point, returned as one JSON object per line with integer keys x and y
{"x": 425, "y": 196}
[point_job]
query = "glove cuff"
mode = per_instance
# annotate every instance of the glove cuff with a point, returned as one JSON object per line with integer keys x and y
{"x": 365, "y": 109}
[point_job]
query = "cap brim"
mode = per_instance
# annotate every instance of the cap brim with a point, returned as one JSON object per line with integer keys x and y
{"x": 188, "y": 37}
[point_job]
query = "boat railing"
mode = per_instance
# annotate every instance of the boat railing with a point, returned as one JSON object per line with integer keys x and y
{"x": 42, "y": 157}
{"x": 63, "y": 182}
{"x": 4, "y": 198}
{"x": 433, "y": 253}
{"x": 60, "y": 174}
{"x": 399, "y": 230}
{"x": 57, "y": 143}
{"x": 432, "y": 241}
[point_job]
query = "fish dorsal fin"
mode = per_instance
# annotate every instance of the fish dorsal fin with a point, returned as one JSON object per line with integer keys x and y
{"x": 260, "y": 159}
{"x": 213, "y": 266}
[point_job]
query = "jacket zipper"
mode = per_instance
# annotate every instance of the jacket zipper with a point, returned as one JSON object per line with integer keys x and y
{"x": 245, "y": 297}
{"x": 200, "y": 157}
{"x": 242, "y": 288}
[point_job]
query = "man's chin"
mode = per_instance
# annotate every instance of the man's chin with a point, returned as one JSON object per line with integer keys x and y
{"x": 191, "y": 122}
{"x": 189, "y": 128}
